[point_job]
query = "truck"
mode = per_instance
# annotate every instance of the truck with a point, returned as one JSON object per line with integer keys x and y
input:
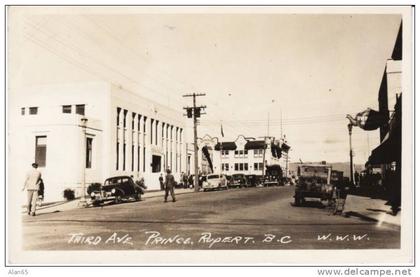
{"x": 314, "y": 181}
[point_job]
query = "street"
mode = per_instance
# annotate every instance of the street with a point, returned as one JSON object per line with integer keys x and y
{"x": 248, "y": 218}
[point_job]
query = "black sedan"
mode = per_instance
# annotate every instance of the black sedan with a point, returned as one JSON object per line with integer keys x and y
{"x": 117, "y": 189}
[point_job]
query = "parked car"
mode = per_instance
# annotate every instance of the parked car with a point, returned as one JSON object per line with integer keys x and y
{"x": 239, "y": 180}
{"x": 214, "y": 181}
{"x": 314, "y": 182}
{"x": 229, "y": 180}
{"x": 117, "y": 189}
{"x": 272, "y": 180}
{"x": 253, "y": 179}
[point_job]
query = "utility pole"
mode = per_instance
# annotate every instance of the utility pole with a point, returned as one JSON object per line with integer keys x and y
{"x": 195, "y": 112}
{"x": 350, "y": 126}
{"x": 263, "y": 161}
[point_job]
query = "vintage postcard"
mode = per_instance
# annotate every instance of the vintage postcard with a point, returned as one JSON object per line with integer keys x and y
{"x": 209, "y": 135}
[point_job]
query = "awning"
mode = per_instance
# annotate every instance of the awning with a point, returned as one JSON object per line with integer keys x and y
{"x": 274, "y": 169}
{"x": 225, "y": 146}
{"x": 285, "y": 147}
{"x": 255, "y": 144}
{"x": 390, "y": 149}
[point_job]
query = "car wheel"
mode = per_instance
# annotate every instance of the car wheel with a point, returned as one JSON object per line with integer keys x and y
{"x": 117, "y": 199}
{"x": 138, "y": 197}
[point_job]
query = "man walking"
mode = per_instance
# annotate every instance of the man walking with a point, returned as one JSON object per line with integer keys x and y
{"x": 169, "y": 185}
{"x": 33, "y": 179}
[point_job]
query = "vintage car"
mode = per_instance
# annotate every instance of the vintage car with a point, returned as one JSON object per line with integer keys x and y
{"x": 117, "y": 189}
{"x": 253, "y": 179}
{"x": 314, "y": 181}
{"x": 239, "y": 180}
{"x": 272, "y": 180}
{"x": 214, "y": 181}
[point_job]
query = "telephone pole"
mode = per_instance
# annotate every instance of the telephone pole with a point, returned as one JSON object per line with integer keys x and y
{"x": 195, "y": 112}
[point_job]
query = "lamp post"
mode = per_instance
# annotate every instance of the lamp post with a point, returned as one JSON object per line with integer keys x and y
{"x": 350, "y": 126}
{"x": 83, "y": 202}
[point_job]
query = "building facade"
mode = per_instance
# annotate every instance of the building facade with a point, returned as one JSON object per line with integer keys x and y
{"x": 245, "y": 155}
{"x": 126, "y": 134}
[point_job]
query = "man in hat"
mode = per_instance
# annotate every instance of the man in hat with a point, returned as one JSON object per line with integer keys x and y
{"x": 33, "y": 179}
{"x": 169, "y": 185}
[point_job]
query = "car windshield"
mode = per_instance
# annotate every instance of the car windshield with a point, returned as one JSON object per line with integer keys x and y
{"x": 212, "y": 177}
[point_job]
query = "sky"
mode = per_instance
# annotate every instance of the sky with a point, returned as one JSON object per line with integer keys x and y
{"x": 274, "y": 74}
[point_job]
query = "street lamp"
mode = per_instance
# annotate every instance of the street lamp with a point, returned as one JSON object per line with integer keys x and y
{"x": 350, "y": 127}
{"x": 83, "y": 202}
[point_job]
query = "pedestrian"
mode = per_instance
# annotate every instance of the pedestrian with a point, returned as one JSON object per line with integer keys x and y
{"x": 162, "y": 185}
{"x": 169, "y": 185}
{"x": 33, "y": 179}
{"x": 40, "y": 192}
{"x": 139, "y": 182}
{"x": 185, "y": 180}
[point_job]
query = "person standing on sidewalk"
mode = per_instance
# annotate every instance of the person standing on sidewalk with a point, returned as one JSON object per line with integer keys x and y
{"x": 33, "y": 179}
{"x": 169, "y": 185}
{"x": 162, "y": 185}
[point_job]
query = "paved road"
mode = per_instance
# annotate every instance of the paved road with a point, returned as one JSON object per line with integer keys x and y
{"x": 252, "y": 218}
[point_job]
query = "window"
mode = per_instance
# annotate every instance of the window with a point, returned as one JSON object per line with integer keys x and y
{"x": 89, "y": 142}
{"x": 236, "y": 153}
{"x": 156, "y": 163}
{"x": 225, "y": 153}
{"x": 132, "y": 157}
{"x": 156, "y": 133}
{"x": 124, "y": 147}
{"x": 133, "y": 120}
{"x": 41, "y": 150}
{"x": 144, "y": 159}
{"x": 225, "y": 167}
{"x": 144, "y": 124}
{"x": 258, "y": 152}
{"x": 246, "y": 166}
{"x": 138, "y": 122}
{"x": 67, "y": 109}
{"x": 151, "y": 130}
{"x": 80, "y": 109}
{"x": 236, "y": 167}
{"x": 246, "y": 153}
{"x": 33, "y": 110}
{"x": 241, "y": 166}
{"x": 118, "y": 116}
{"x": 118, "y": 156}
{"x": 258, "y": 166}
{"x": 125, "y": 118}
{"x": 138, "y": 158}
{"x": 22, "y": 111}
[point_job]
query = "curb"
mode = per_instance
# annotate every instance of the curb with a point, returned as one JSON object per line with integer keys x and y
{"x": 371, "y": 219}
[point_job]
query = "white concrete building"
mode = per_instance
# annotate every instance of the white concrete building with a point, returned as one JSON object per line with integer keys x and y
{"x": 126, "y": 134}
{"x": 244, "y": 155}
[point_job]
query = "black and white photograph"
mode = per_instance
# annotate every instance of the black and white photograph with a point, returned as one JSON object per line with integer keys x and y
{"x": 209, "y": 135}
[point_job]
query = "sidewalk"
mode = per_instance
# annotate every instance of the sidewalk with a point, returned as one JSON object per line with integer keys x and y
{"x": 56, "y": 207}
{"x": 371, "y": 209}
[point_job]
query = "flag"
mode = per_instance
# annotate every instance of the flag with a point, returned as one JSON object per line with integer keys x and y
{"x": 221, "y": 131}
{"x": 368, "y": 119}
